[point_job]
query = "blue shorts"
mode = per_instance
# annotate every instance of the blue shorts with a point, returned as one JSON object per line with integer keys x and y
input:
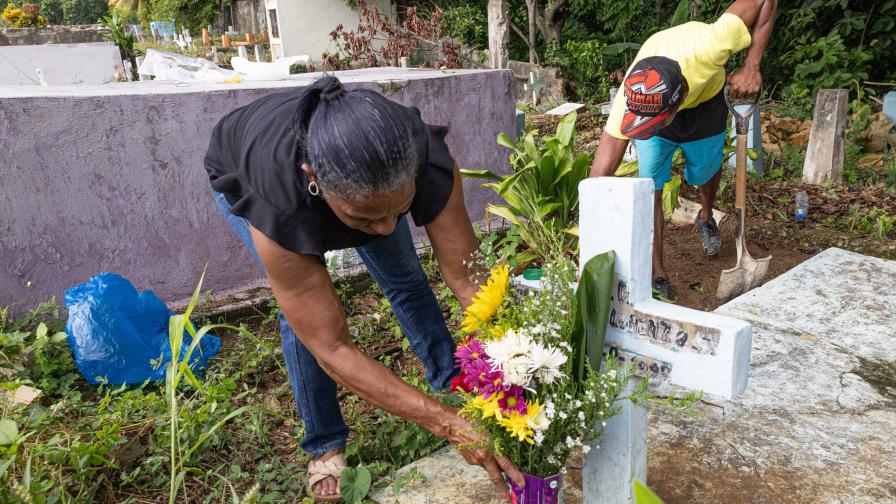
{"x": 702, "y": 159}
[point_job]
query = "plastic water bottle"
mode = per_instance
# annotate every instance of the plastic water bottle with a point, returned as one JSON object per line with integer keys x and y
{"x": 802, "y": 205}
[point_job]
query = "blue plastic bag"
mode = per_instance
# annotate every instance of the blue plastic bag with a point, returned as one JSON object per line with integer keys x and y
{"x": 118, "y": 335}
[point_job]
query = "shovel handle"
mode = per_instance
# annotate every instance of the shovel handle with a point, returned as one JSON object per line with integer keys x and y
{"x": 740, "y": 188}
{"x": 741, "y": 121}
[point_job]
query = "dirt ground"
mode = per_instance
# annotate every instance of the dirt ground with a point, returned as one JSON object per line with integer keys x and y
{"x": 695, "y": 276}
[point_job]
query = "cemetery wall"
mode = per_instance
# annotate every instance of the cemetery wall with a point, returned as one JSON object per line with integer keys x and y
{"x": 111, "y": 178}
{"x": 73, "y": 34}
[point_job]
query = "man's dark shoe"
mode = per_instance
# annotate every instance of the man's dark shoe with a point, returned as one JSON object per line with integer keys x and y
{"x": 709, "y": 235}
{"x": 663, "y": 287}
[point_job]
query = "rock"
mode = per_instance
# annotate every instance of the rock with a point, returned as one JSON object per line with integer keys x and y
{"x": 22, "y": 395}
{"x": 800, "y": 138}
{"x": 687, "y": 211}
{"x": 879, "y": 135}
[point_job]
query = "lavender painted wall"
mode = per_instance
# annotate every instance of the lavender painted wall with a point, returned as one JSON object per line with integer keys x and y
{"x": 110, "y": 178}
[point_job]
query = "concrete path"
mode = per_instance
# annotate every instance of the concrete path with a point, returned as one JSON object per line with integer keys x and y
{"x": 816, "y": 424}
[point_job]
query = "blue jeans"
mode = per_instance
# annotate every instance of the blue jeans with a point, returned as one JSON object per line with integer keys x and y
{"x": 394, "y": 265}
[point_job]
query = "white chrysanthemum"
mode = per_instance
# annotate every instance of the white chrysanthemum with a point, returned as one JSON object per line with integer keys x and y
{"x": 546, "y": 363}
{"x": 517, "y": 371}
{"x": 511, "y": 354}
{"x": 513, "y": 344}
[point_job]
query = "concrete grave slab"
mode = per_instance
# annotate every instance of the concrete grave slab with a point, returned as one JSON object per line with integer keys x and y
{"x": 111, "y": 177}
{"x": 818, "y": 420}
{"x": 87, "y": 63}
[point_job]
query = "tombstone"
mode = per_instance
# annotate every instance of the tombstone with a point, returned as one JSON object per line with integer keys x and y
{"x": 206, "y": 40}
{"x": 214, "y": 54}
{"x": 607, "y": 107}
{"x": 259, "y": 53}
{"x": 86, "y": 63}
{"x": 890, "y": 106}
{"x": 754, "y": 141}
{"x": 669, "y": 343}
{"x": 825, "y": 153}
{"x": 40, "y": 76}
{"x": 163, "y": 28}
{"x": 243, "y": 53}
{"x": 225, "y": 41}
{"x": 533, "y": 87}
{"x": 520, "y": 123}
{"x": 404, "y": 62}
{"x": 498, "y": 33}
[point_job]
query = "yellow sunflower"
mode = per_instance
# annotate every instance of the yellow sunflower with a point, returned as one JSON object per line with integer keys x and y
{"x": 518, "y": 425}
{"x": 487, "y": 301}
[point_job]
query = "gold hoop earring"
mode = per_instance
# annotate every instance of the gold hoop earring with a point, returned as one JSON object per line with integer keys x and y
{"x": 313, "y": 188}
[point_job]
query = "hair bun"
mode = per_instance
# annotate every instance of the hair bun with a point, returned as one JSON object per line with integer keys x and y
{"x": 331, "y": 89}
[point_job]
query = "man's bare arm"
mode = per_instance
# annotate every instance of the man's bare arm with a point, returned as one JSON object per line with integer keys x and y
{"x": 608, "y": 156}
{"x": 759, "y": 17}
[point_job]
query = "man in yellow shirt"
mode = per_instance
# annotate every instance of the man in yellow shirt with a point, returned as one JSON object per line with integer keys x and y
{"x": 673, "y": 97}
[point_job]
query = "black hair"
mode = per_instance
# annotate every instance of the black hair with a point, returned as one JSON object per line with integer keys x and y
{"x": 358, "y": 142}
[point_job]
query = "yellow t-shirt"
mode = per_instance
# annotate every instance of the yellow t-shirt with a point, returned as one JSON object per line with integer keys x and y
{"x": 701, "y": 49}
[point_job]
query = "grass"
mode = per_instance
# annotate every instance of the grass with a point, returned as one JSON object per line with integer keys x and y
{"x": 186, "y": 440}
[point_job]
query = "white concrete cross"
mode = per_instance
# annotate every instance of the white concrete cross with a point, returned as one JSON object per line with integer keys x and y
{"x": 534, "y": 87}
{"x": 689, "y": 348}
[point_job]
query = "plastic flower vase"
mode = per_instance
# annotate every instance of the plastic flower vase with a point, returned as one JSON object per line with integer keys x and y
{"x": 538, "y": 490}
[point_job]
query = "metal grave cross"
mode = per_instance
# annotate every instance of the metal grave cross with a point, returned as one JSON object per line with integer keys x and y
{"x": 681, "y": 346}
{"x": 534, "y": 87}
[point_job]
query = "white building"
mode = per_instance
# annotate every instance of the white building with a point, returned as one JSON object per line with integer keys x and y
{"x": 299, "y": 27}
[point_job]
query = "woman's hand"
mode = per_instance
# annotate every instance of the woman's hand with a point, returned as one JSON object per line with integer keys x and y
{"x": 473, "y": 447}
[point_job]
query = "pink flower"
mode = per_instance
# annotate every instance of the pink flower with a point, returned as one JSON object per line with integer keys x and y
{"x": 491, "y": 382}
{"x": 470, "y": 351}
{"x": 479, "y": 375}
{"x": 513, "y": 400}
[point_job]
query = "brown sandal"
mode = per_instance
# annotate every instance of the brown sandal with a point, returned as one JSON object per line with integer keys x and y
{"x": 319, "y": 470}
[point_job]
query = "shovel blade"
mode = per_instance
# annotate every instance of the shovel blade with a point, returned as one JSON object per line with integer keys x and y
{"x": 748, "y": 274}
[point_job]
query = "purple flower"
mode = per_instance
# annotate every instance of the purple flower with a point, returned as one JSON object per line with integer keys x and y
{"x": 470, "y": 351}
{"x": 513, "y": 400}
{"x": 478, "y": 374}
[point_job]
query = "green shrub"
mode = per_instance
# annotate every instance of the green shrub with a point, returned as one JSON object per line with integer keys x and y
{"x": 468, "y": 24}
{"x": 83, "y": 11}
{"x": 52, "y": 10}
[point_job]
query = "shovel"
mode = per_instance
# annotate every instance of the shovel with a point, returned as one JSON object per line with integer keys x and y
{"x": 748, "y": 273}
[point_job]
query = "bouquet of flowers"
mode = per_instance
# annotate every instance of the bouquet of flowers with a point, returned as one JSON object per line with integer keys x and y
{"x": 525, "y": 376}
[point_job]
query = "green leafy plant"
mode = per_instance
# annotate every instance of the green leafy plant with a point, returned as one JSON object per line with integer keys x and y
{"x": 124, "y": 39}
{"x": 593, "y": 296}
{"x": 644, "y": 495}
{"x": 179, "y": 369}
{"x": 542, "y": 192}
{"x": 354, "y": 484}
